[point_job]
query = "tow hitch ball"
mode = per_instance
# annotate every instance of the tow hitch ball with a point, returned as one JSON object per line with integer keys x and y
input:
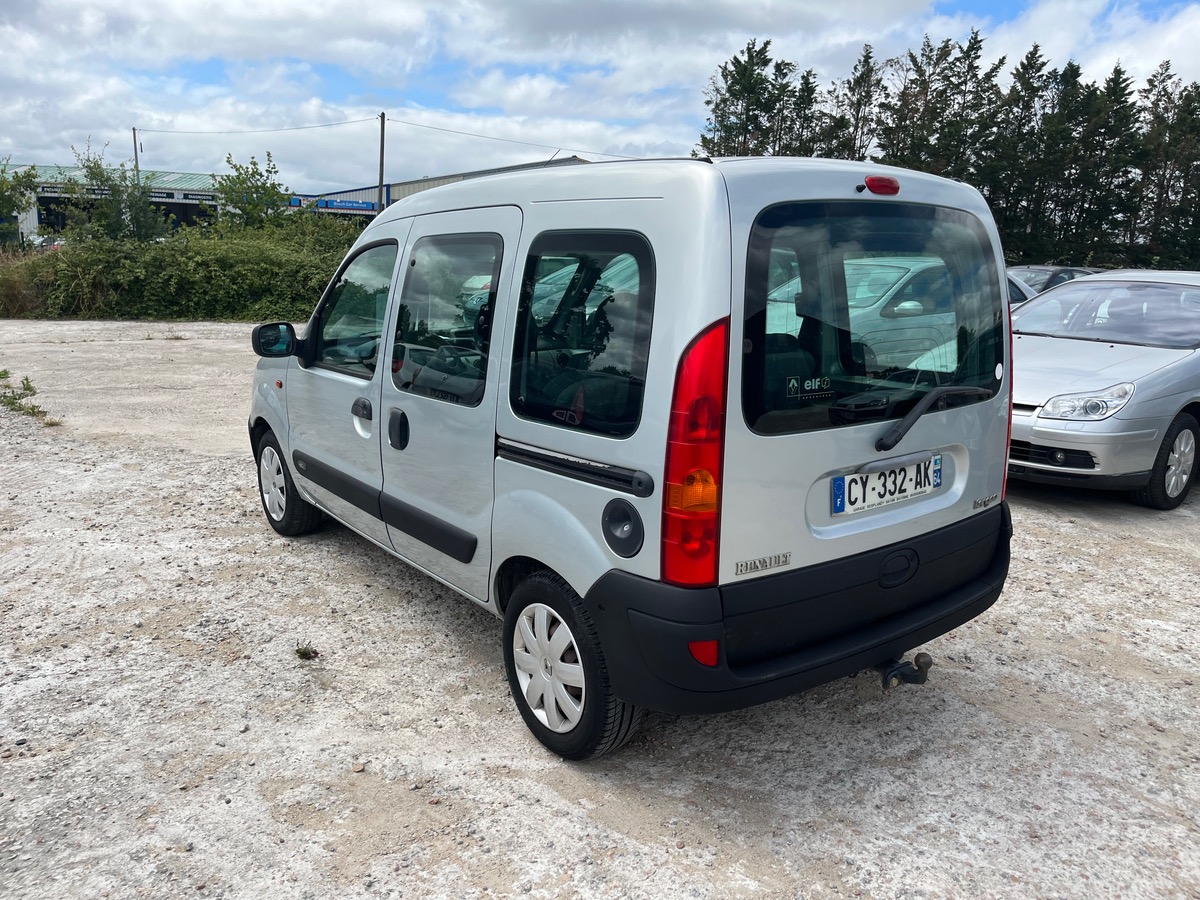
{"x": 895, "y": 672}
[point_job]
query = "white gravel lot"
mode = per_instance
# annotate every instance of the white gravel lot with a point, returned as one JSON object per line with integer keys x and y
{"x": 159, "y": 736}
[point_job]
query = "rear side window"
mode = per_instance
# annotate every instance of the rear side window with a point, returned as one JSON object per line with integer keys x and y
{"x": 440, "y": 348}
{"x": 853, "y": 311}
{"x": 583, "y": 331}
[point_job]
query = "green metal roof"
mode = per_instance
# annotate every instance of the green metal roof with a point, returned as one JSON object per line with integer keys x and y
{"x": 183, "y": 181}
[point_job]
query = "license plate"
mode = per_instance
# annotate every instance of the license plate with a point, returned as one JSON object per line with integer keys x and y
{"x": 861, "y": 492}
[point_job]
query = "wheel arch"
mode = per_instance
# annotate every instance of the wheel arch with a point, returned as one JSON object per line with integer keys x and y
{"x": 511, "y": 573}
{"x": 258, "y": 427}
{"x": 1192, "y": 409}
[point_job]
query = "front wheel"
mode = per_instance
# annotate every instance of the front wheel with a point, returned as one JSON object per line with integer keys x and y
{"x": 1174, "y": 466}
{"x": 557, "y": 673}
{"x": 288, "y": 512}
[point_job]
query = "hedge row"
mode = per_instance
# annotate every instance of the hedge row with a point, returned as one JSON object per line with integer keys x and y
{"x": 274, "y": 273}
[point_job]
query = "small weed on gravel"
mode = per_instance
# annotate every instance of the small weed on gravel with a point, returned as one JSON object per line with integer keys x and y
{"x": 17, "y": 399}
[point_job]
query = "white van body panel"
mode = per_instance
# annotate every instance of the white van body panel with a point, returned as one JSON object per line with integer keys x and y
{"x": 802, "y": 593}
{"x": 445, "y": 469}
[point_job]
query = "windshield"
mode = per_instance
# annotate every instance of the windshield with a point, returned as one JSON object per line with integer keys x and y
{"x": 1035, "y": 278}
{"x": 854, "y": 312}
{"x": 1118, "y": 312}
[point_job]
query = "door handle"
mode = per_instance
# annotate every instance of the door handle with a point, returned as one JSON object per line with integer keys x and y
{"x": 398, "y": 429}
{"x": 362, "y": 408}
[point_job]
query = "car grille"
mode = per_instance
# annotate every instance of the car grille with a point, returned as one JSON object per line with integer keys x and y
{"x": 1025, "y": 452}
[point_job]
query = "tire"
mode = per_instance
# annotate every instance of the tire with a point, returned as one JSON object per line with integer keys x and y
{"x": 288, "y": 512}
{"x": 557, "y": 673}
{"x": 1174, "y": 466}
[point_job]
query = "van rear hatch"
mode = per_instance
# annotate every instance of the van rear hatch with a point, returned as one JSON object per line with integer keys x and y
{"x": 867, "y": 420}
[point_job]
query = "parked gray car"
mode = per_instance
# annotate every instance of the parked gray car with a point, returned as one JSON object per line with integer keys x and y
{"x": 1106, "y": 389}
{"x": 1042, "y": 278}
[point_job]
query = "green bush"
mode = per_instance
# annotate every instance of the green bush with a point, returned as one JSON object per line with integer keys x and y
{"x": 269, "y": 273}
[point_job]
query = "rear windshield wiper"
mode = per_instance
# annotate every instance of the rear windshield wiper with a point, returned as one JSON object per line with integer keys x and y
{"x": 897, "y": 432}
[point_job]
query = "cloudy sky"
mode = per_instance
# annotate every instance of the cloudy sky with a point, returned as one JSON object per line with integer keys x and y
{"x": 472, "y": 84}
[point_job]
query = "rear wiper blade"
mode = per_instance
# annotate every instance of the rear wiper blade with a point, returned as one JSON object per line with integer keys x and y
{"x": 897, "y": 432}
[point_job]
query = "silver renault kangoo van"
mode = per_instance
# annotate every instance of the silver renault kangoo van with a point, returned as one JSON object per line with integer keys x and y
{"x": 667, "y": 447}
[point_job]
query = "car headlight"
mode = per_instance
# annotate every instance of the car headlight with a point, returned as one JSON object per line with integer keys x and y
{"x": 1089, "y": 407}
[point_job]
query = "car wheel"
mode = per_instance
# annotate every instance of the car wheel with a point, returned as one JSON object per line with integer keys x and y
{"x": 288, "y": 512}
{"x": 557, "y": 673}
{"x": 1174, "y": 467}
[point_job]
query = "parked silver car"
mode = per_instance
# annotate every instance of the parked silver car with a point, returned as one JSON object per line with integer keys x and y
{"x": 1106, "y": 389}
{"x": 1042, "y": 278}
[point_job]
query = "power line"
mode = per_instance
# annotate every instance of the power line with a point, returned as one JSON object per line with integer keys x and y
{"x": 472, "y": 134}
{"x": 507, "y": 140}
{"x": 259, "y": 130}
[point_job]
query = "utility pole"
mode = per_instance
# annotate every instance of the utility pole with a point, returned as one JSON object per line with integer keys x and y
{"x": 137, "y": 172}
{"x": 379, "y": 203}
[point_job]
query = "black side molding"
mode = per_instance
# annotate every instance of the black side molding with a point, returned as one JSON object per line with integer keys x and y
{"x": 427, "y": 529}
{"x": 449, "y": 539}
{"x": 354, "y": 492}
{"x": 628, "y": 481}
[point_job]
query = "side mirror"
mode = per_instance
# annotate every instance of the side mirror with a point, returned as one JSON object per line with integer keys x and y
{"x": 274, "y": 340}
{"x": 908, "y": 309}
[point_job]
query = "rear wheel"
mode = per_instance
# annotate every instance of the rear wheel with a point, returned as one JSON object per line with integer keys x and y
{"x": 288, "y": 512}
{"x": 1174, "y": 467}
{"x": 557, "y": 673}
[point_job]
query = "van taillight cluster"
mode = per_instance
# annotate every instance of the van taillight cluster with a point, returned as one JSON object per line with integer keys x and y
{"x": 695, "y": 446}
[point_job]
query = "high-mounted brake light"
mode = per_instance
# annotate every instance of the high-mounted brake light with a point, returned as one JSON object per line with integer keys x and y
{"x": 695, "y": 450}
{"x": 882, "y": 184}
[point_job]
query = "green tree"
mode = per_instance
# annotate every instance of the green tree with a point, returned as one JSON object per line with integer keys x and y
{"x": 1168, "y": 230}
{"x": 803, "y": 118}
{"x": 17, "y": 192}
{"x": 854, "y": 103}
{"x": 110, "y": 202}
{"x": 739, "y": 101}
{"x": 251, "y": 195}
{"x": 1015, "y": 179}
{"x": 967, "y": 134}
{"x": 911, "y": 113}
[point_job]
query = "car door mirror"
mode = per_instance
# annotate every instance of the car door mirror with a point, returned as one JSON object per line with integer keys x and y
{"x": 908, "y": 308}
{"x": 274, "y": 340}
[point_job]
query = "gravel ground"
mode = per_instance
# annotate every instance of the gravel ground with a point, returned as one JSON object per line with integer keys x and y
{"x": 159, "y": 736}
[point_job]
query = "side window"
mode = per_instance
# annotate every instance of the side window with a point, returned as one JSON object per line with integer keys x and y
{"x": 350, "y": 324}
{"x": 927, "y": 293}
{"x": 440, "y": 348}
{"x": 583, "y": 331}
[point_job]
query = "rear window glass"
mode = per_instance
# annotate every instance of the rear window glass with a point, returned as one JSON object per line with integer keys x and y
{"x": 583, "y": 331}
{"x": 854, "y": 311}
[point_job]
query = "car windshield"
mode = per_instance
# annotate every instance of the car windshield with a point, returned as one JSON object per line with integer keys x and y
{"x": 867, "y": 282}
{"x": 1151, "y": 314}
{"x": 1035, "y": 278}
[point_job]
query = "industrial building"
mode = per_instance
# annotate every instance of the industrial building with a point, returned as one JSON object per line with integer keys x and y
{"x": 186, "y": 196}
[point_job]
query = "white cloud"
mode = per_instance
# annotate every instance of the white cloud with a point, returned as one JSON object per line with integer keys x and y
{"x": 623, "y": 77}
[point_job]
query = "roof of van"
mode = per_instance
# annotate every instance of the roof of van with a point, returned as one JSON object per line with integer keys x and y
{"x": 642, "y": 179}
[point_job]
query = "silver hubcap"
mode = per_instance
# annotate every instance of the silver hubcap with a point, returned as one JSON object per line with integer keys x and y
{"x": 271, "y": 483}
{"x": 548, "y": 668}
{"x": 1180, "y": 462}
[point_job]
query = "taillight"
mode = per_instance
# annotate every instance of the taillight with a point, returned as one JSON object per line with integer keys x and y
{"x": 695, "y": 448}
